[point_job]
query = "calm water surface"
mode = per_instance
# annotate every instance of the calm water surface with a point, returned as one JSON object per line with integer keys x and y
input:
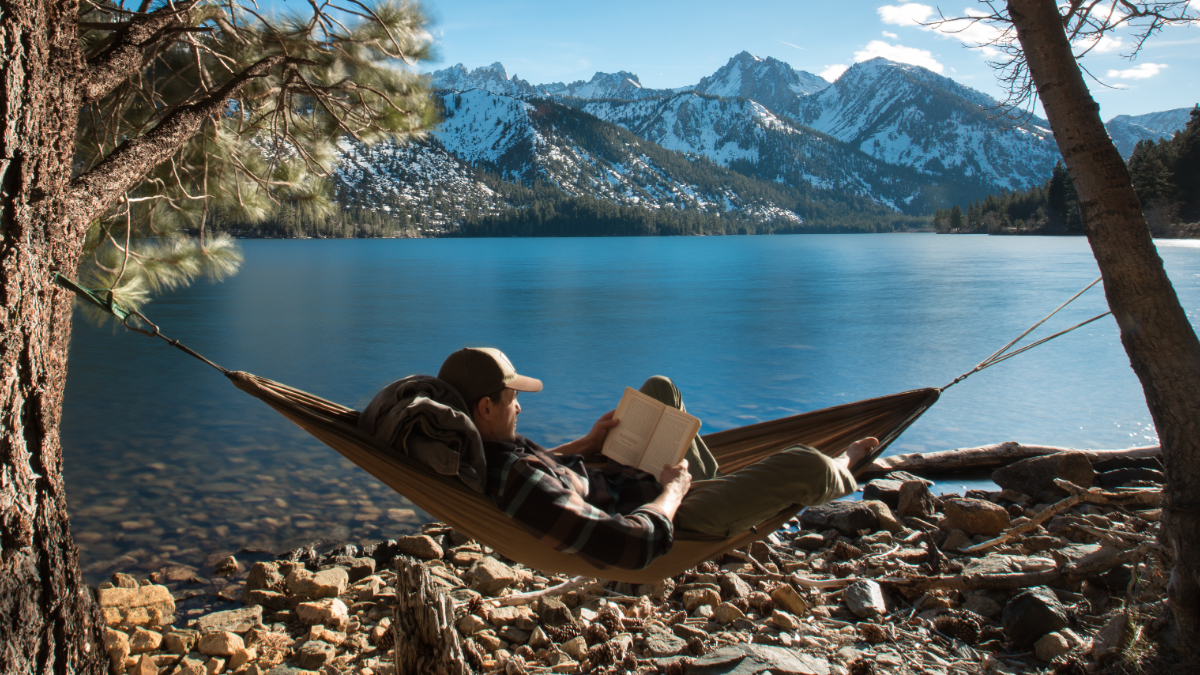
{"x": 168, "y": 464}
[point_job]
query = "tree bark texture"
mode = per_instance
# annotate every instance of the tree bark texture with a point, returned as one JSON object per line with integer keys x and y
{"x": 1161, "y": 344}
{"x": 426, "y": 639}
{"x": 49, "y": 621}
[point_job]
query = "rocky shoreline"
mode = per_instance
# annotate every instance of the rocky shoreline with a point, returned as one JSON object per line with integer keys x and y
{"x": 1047, "y": 575}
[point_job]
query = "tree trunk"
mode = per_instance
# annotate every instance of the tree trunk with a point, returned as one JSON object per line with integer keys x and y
{"x": 1161, "y": 344}
{"x": 426, "y": 639}
{"x": 49, "y": 621}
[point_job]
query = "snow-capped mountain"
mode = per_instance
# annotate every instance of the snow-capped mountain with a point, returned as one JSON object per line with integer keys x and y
{"x": 1127, "y": 130}
{"x": 494, "y": 78}
{"x": 905, "y": 115}
{"x": 768, "y": 81}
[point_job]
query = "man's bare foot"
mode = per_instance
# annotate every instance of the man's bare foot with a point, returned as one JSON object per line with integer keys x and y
{"x": 858, "y": 450}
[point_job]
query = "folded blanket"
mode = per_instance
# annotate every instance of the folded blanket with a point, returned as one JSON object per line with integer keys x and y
{"x": 423, "y": 418}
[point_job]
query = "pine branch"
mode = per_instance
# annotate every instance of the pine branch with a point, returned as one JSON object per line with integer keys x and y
{"x": 125, "y": 54}
{"x": 93, "y": 192}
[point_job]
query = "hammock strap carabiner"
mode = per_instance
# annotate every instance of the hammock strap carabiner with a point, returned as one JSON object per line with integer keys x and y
{"x": 107, "y": 302}
{"x": 1003, "y": 353}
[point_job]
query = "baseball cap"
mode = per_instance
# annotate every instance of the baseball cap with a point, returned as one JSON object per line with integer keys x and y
{"x": 479, "y": 371}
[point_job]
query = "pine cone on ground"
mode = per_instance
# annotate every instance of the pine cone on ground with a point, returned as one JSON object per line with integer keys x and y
{"x": 677, "y": 617}
{"x": 606, "y": 654}
{"x": 741, "y": 603}
{"x": 961, "y": 624}
{"x": 677, "y": 667}
{"x": 526, "y": 652}
{"x": 862, "y": 667}
{"x": 709, "y": 567}
{"x": 844, "y": 551}
{"x": 874, "y": 633}
{"x": 698, "y": 647}
{"x": 561, "y": 634}
{"x": 595, "y": 634}
{"x": 629, "y": 664}
{"x": 386, "y": 641}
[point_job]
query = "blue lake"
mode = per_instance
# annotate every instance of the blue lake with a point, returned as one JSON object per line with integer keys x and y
{"x": 168, "y": 464}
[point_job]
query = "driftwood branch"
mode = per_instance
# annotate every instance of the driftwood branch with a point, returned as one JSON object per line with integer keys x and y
{"x": 553, "y": 591}
{"x": 990, "y": 457}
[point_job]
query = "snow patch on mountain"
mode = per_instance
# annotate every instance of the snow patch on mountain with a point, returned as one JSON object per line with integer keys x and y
{"x": 1127, "y": 130}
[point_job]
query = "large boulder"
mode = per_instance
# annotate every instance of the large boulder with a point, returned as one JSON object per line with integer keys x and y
{"x": 974, "y": 516}
{"x": 846, "y": 517}
{"x": 1036, "y": 475}
{"x": 1032, "y": 614}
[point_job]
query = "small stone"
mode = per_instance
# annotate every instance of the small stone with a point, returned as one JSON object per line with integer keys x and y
{"x": 263, "y": 576}
{"x": 144, "y": 665}
{"x": 471, "y": 624}
{"x": 1036, "y": 475}
{"x": 1114, "y": 638}
{"x": 983, "y": 606}
{"x": 328, "y": 612}
{"x": 974, "y": 516}
{"x": 116, "y": 644}
{"x": 1031, "y": 614}
{"x": 887, "y": 519}
{"x": 703, "y": 612}
{"x": 142, "y": 641}
{"x": 227, "y": 567}
{"x": 269, "y": 599}
{"x": 865, "y": 599}
{"x": 846, "y": 517}
{"x": 787, "y": 598}
{"x": 553, "y": 612}
{"x": 420, "y": 546}
{"x": 883, "y": 490}
{"x": 214, "y": 666}
{"x": 915, "y": 500}
{"x": 121, "y": 580}
{"x": 733, "y": 586}
{"x": 150, "y": 605}
{"x": 489, "y": 576}
{"x": 726, "y": 613}
{"x": 784, "y": 621}
{"x": 752, "y": 659}
{"x": 178, "y": 642}
{"x": 222, "y": 643}
{"x": 507, "y": 616}
{"x": 241, "y": 657}
{"x": 538, "y": 638}
{"x": 238, "y": 621}
{"x": 957, "y": 540}
{"x": 361, "y": 568}
{"x": 809, "y": 542}
{"x": 660, "y": 644}
{"x": 328, "y": 583}
{"x": 576, "y": 648}
{"x": 697, "y": 598}
{"x": 514, "y": 635}
{"x": 1051, "y": 646}
{"x": 686, "y": 632}
{"x": 314, "y": 654}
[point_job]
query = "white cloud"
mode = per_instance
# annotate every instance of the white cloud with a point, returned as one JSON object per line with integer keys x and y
{"x": 1108, "y": 43}
{"x": 905, "y": 15}
{"x": 890, "y": 35}
{"x": 899, "y": 53}
{"x": 833, "y": 72}
{"x": 1140, "y": 72}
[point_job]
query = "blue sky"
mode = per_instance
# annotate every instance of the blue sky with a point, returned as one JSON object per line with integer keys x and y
{"x": 670, "y": 43}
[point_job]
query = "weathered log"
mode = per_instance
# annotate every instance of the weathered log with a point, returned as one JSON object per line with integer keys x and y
{"x": 989, "y": 457}
{"x": 423, "y": 624}
{"x": 553, "y": 591}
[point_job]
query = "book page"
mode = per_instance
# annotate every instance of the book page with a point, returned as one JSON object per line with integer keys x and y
{"x": 670, "y": 442}
{"x": 638, "y": 415}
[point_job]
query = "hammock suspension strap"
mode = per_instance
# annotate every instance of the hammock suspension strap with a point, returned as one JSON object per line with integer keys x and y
{"x": 1003, "y": 354}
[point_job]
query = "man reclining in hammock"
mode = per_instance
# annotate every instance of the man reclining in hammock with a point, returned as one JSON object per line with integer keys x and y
{"x": 618, "y": 516}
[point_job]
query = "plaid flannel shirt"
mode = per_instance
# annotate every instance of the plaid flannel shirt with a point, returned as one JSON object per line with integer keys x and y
{"x": 573, "y": 511}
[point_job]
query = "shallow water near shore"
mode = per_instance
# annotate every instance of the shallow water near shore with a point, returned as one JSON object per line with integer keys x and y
{"x": 167, "y": 465}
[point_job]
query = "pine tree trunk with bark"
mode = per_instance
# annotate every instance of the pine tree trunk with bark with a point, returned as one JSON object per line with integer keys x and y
{"x": 49, "y": 621}
{"x": 1161, "y": 344}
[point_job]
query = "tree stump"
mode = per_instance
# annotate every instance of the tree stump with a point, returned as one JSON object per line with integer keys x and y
{"x": 423, "y": 624}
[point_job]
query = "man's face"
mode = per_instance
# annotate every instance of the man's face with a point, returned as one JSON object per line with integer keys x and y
{"x": 498, "y": 421}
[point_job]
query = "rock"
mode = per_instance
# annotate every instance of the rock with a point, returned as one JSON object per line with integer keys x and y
{"x": 1032, "y": 614}
{"x": 553, "y": 612}
{"x": 238, "y": 621}
{"x": 659, "y": 644}
{"x": 865, "y": 599}
{"x": 983, "y": 606}
{"x": 508, "y": 616}
{"x": 1051, "y": 646}
{"x": 659, "y": 590}
{"x": 733, "y": 586}
{"x": 785, "y": 597}
{"x": 809, "y": 542}
{"x": 116, "y": 644}
{"x": 915, "y": 500}
{"x": 150, "y": 605}
{"x": 222, "y": 643}
{"x": 1119, "y": 477}
{"x": 686, "y": 632}
{"x": 214, "y": 666}
{"x": 883, "y": 490}
{"x": 361, "y": 568}
{"x": 538, "y": 638}
{"x": 144, "y": 665}
{"x": 328, "y": 583}
{"x": 329, "y": 612}
{"x": 227, "y": 567}
{"x": 489, "y": 642}
{"x": 726, "y": 613}
{"x": 1001, "y": 563}
{"x": 264, "y": 598}
{"x": 1114, "y": 638}
{"x": 887, "y": 519}
{"x": 784, "y": 621}
{"x": 263, "y": 576}
{"x": 142, "y": 641}
{"x": 699, "y": 597}
{"x": 314, "y": 654}
{"x": 241, "y": 657}
{"x": 753, "y": 659}
{"x": 420, "y": 546}
{"x": 191, "y": 667}
{"x": 576, "y": 648}
{"x": 121, "y": 580}
{"x": 846, "y": 517}
{"x": 514, "y": 635}
{"x": 957, "y": 540}
{"x": 489, "y": 576}
{"x": 974, "y": 516}
{"x": 1036, "y": 475}
{"x": 179, "y": 642}
{"x": 471, "y": 624}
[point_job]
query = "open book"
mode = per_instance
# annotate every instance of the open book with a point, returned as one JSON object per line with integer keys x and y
{"x": 650, "y": 435}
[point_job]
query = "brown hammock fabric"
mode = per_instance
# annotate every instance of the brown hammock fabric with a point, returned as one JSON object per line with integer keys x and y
{"x": 447, "y": 499}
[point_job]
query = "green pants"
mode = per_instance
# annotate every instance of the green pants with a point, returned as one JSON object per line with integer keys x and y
{"x": 725, "y": 506}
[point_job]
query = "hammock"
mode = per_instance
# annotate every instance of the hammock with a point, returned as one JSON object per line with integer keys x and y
{"x": 446, "y": 498}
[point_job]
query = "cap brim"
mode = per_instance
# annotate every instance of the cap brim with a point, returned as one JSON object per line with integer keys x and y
{"x": 522, "y": 383}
